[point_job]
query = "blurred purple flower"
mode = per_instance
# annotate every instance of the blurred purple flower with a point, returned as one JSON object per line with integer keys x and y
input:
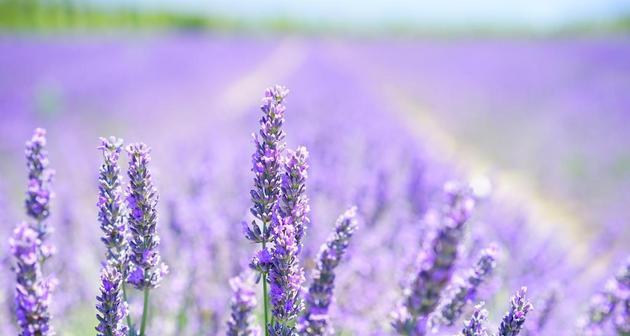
{"x": 38, "y": 193}
{"x": 475, "y": 325}
{"x": 242, "y": 306}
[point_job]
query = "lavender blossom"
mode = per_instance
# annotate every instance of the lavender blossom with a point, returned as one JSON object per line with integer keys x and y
{"x": 111, "y": 211}
{"x": 320, "y": 293}
{"x": 475, "y": 326}
{"x": 242, "y": 306}
{"x": 38, "y": 194}
{"x": 514, "y": 319}
{"x": 293, "y": 199}
{"x": 436, "y": 261}
{"x": 112, "y": 309}
{"x": 146, "y": 268}
{"x": 464, "y": 291}
{"x": 32, "y": 291}
{"x": 266, "y": 162}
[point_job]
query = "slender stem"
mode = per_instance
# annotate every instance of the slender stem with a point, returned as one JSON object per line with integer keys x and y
{"x": 145, "y": 310}
{"x": 124, "y": 288}
{"x": 264, "y": 281}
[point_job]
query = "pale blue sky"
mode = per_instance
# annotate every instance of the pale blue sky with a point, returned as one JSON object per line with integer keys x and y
{"x": 529, "y": 13}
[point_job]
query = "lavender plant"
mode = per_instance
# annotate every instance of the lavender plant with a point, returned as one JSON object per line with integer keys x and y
{"x": 293, "y": 199}
{"x": 475, "y": 325}
{"x": 241, "y": 308}
{"x": 145, "y": 266}
{"x": 464, "y": 291}
{"x": 111, "y": 306}
{"x": 436, "y": 264}
{"x": 514, "y": 319}
{"x": 315, "y": 320}
{"x": 39, "y": 193}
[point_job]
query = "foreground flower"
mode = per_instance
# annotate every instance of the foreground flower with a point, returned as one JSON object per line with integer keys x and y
{"x": 293, "y": 200}
{"x": 465, "y": 291}
{"x": 475, "y": 326}
{"x": 320, "y": 293}
{"x": 32, "y": 291}
{"x": 436, "y": 262}
{"x": 514, "y": 319}
{"x": 111, "y": 213}
{"x": 112, "y": 309}
{"x": 241, "y": 308}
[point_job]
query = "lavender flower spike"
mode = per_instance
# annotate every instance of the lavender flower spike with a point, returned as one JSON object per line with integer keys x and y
{"x": 146, "y": 268}
{"x": 39, "y": 194}
{"x": 465, "y": 290}
{"x": 111, "y": 211}
{"x": 293, "y": 200}
{"x": 32, "y": 291}
{"x": 242, "y": 306}
{"x": 320, "y": 293}
{"x": 475, "y": 326}
{"x": 513, "y": 321}
{"x": 266, "y": 163}
{"x": 436, "y": 262}
{"x": 112, "y": 309}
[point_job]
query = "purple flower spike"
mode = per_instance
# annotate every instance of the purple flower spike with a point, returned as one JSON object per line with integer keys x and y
{"x": 436, "y": 262}
{"x": 32, "y": 291}
{"x": 242, "y": 306}
{"x": 40, "y": 177}
{"x": 475, "y": 326}
{"x": 111, "y": 210}
{"x": 146, "y": 268}
{"x": 293, "y": 200}
{"x": 320, "y": 293}
{"x": 111, "y": 307}
{"x": 266, "y": 163}
{"x": 464, "y": 291}
{"x": 513, "y": 321}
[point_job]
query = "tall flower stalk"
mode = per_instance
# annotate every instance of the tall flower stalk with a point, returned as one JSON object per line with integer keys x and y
{"x": 111, "y": 306}
{"x": 39, "y": 192}
{"x": 145, "y": 266}
{"x": 514, "y": 319}
{"x": 436, "y": 263}
{"x": 266, "y": 165}
{"x": 241, "y": 308}
{"x": 320, "y": 293}
{"x": 465, "y": 290}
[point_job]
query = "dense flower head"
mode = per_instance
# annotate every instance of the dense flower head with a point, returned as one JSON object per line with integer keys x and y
{"x": 465, "y": 290}
{"x": 111, "y": 307}
{"x": 514, "y": 319}
{"x": 293, "y": 200}
{"x": 146, "y": 268}
{"x": 320, "y": 293}
{"x": 436, "y": 260}
{"x": 475, "y": 325}
{"x": 267, "y": 162}
{"x": 32, "y": 291}
{"x": 40, "y": 177}
{"x": 111, "y": 210}
{"x": 285, "y": 274}
{"x": 241, "y": 308}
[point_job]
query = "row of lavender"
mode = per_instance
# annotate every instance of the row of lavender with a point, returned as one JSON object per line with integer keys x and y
{"x": 432, "y": 300}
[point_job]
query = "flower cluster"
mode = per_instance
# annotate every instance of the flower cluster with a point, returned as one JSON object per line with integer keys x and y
{"x": 514, "y": 319}
{"x": 111, "y": 307}
{"x": 146, "y": 268}
{"x": 40, "y": 176}
{"x": 436, "y": 263}
{"x": 320, "y": 293}
{"x": 475, "y": 325}
{"x": 242, "y": 305}
{"x": 111, "y": 211}
{"x": 32, "y": 291}
{"x": 464, "y": 291}
{"x": 293, "y": 199}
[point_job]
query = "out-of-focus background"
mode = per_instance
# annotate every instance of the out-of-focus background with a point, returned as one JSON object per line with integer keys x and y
{"x": 527, "y": 98}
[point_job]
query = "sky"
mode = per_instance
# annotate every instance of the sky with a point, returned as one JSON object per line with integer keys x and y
{"x": 524, "y": 13}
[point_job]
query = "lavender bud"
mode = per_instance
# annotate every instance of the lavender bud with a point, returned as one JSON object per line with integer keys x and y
{"x": 293, "y": 200}
{"x": 32, "y": 291}
{"x": 111, "y": 307}
{"x": 320, "y": 293}
{"x": 111, "y": 211}
{"x": 242, "y": 306}
{"x": 464, "y": 291}
{"x": 38, "y": 194}
{"x": 475, "y": 326}
{"x": 146, "y": 268}
{"x": 266, "y": 162}
{"x": 514, "y": 319}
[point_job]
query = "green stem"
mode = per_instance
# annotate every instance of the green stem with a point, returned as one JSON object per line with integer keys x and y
{"x": 124, "y": 288}
{"x": 264, "y": 281}
{"x": 145, "y": 311}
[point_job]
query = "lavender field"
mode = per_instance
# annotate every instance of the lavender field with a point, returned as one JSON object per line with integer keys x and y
{"x": 464, "y": 186}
